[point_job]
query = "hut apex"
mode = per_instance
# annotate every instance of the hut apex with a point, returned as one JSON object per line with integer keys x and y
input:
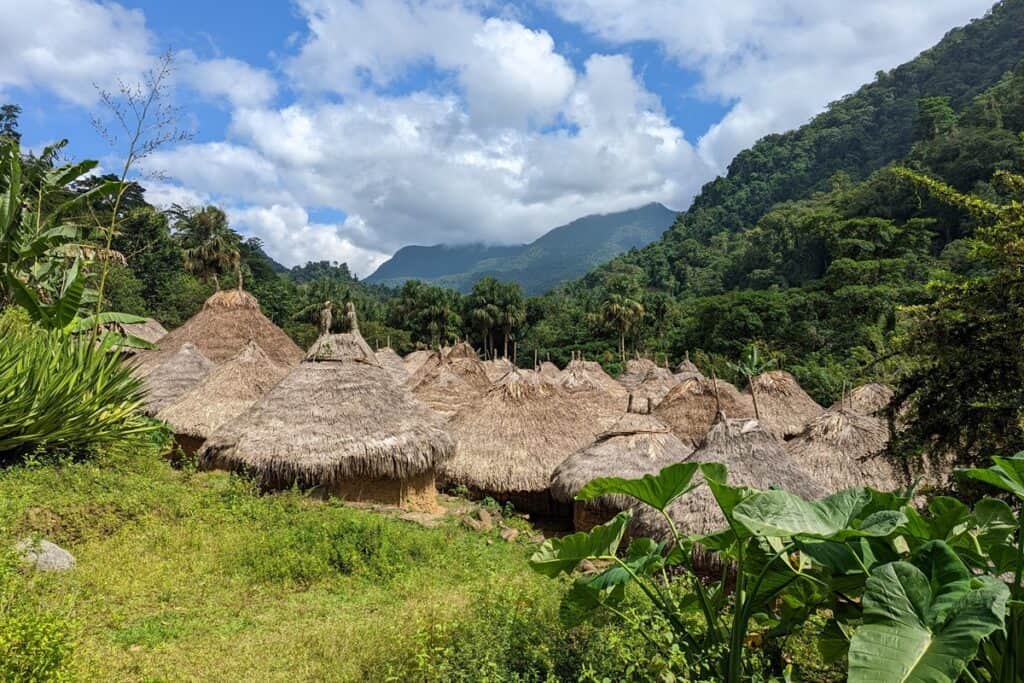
{"x": 175, "y": 376}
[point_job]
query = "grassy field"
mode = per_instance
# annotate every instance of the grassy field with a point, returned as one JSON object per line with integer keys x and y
{"x": 192, "y": 576}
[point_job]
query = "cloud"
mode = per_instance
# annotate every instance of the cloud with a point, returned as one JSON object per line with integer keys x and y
{"x": 778, "y": 61}
{"x": 296, "y": 240}
{"x": 67, "y": 46}
{"x": 239, "y": 83}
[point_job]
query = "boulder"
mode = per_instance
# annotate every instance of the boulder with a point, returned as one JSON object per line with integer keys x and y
{"x": 45, "y": 556}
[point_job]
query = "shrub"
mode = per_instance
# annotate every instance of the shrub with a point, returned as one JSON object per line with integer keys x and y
{"x": 64, "y": 393}
{"x": 35, "y": 645}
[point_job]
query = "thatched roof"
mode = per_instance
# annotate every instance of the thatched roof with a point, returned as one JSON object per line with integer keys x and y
{"x": 150, "y": 331}
{"x": 414, "y": 360}
{"x": 511, "y": 440}
{"x": 392, "y": 362}
{"x": 549, "y": 370}
{"x": 753, "y": 458}
{"x": 843, "y": 449}
{"x": 337, "y": 415}
{"x": 656, "y": 384}
{"x": 600, "y": 395}
{"x": 783, "y": 407}
{"x": 690, "y": 408}
{"x": 867, "y": 399}
{"x": 497, "y": 368}
{"x": 687, "y": 367}
{"x": 637, "y": 444}
{"x": 461, "y": 350}
{"x": 176, "y": 375}
{"x": 228, "y": 321}
{"x": 447, "y": 383}
{"x": 224, "y": 394}
{"x": 636, "y": 372}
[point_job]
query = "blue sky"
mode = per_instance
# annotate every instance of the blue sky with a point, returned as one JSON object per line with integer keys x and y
{"x": 344, "y": 129}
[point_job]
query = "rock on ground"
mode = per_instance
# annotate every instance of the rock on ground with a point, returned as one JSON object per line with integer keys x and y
{"x": 45, "y": 556}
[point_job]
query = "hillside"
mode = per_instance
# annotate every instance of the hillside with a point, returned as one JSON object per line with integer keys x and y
{"x": 857, "y": 135}
{"x": 558, "y": 256}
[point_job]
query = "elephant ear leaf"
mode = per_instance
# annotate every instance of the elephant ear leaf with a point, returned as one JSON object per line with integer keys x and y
{"x": 1006, "y": 474}
{"x": 918, "y": 629}
{"x": 563, "y": 555}
{"x": 657, "y": 490}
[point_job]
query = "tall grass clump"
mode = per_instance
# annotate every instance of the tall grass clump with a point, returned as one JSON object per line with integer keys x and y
{"x": 64, "y": 393}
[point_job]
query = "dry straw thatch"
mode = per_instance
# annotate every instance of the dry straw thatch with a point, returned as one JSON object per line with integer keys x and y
{"x": 867, "y": 399}
{"x": 549, "y": 370}
{"x": 393, "y": 363}
{"x": 414, "y": 360}
{"x": 497, "y": 368}
{"x": 462, "y": 349}
{"x": 337, "y": 421}
{"x": 228, "y": 321}
{"x": 783, "y": 406}
{"x": 600, "y": 395}
{"x": 636, "y": 372}
{"x": 448, "y": 383}
{"x": 843, "y": 449}
{"x": 691, "y": 407}
{"x": 637, "y": 444}
{"x": 656, "y": 384}
{"x": 688, "y": 368}
{"x": 172, "y": 378}
{"x": 752, "y": 456}
{"x": 510, "y": 441}
{"x": 224, "y": 394}
{"x": 150, "y": 331}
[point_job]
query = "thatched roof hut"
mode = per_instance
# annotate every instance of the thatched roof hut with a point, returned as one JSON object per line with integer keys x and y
{"x": 691, "y": 407}
{"x": 497, "y": 368}
{"x": 448, "y": 383}
{"x": 687, "y": 367}
{"x": 636, "y": 372}
{"x": 549, "y": 370}
{"x": 228, "y": 321}
{"x": 600, "y": 395}
{"x": 510, "y": 441}
{"x": 656, "y": 384}
{"x": 337, "y": 422}
{"x": 462, "y": 349}
{"x": 177, "y": 374}
{"x": 637, "y": 444}
{"x": 843, "y": 449}
{"x": 867, "y": 399}
{"x": 783, "y": 406}
{"x": 223, "y": 394}
{"x": 393, "y": 363}
{"x": 753, "y": 458}
{"x": 414, "y": 360}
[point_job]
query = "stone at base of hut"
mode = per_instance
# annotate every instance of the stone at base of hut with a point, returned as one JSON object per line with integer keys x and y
{"x": 416, "y": 493}
{"x": 45, "y": 556}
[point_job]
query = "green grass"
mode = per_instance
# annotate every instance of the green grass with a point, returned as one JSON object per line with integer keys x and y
{"x": 192, "y": 576}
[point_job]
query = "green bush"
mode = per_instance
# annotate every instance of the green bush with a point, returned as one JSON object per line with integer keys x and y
{"x": 60, "y": 393}
{"x": 35, "y": 645}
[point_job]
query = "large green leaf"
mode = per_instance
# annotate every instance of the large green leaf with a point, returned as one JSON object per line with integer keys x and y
{"x": 558, "y": 555}
{"x": 923, "y": 627}
{"x": 1006, "y": 474}
{"x": 780, "y": 513}
{"x": 657, "y": 490}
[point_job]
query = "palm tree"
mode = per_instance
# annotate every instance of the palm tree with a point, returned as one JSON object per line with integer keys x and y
{"x": 485, "y": 310}
{"x": 210, "y": 245}
{"x": 622, "y": 313}
{"x": 512, "y": 310}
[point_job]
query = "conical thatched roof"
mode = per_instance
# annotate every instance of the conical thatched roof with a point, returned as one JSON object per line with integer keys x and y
{"x": 600, "y": 395}
{"x": 414, "y": 360}
{"x": 338, "y": 415}
{"x": 172, "y": 378}
{"x": 447, "y": 384}
{"x": 497, "y": 368}
{"x": 393, "y": 363}
{"x": 228, "y": 321}
{"x": 753, "y": 458}
{"x": 783, "y": 407}
{"x": 687, "y": 367}
{"x": 636, "y": 372}
{"x": 843, "y": 449}
{"x": 867, "y": 399}
{"x": 656, "y": 384}
{"x": 512, "y": 439}
{"x": 690, "y": 408}
{"x": 549, "y": 370}
{"x": 637, "y": 444}
{"x": 224, "y": 394}
{"x": 461, "y": 350}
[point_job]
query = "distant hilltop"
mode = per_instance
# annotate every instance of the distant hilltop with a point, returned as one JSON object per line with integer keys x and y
{"x": 560, "y": 255}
